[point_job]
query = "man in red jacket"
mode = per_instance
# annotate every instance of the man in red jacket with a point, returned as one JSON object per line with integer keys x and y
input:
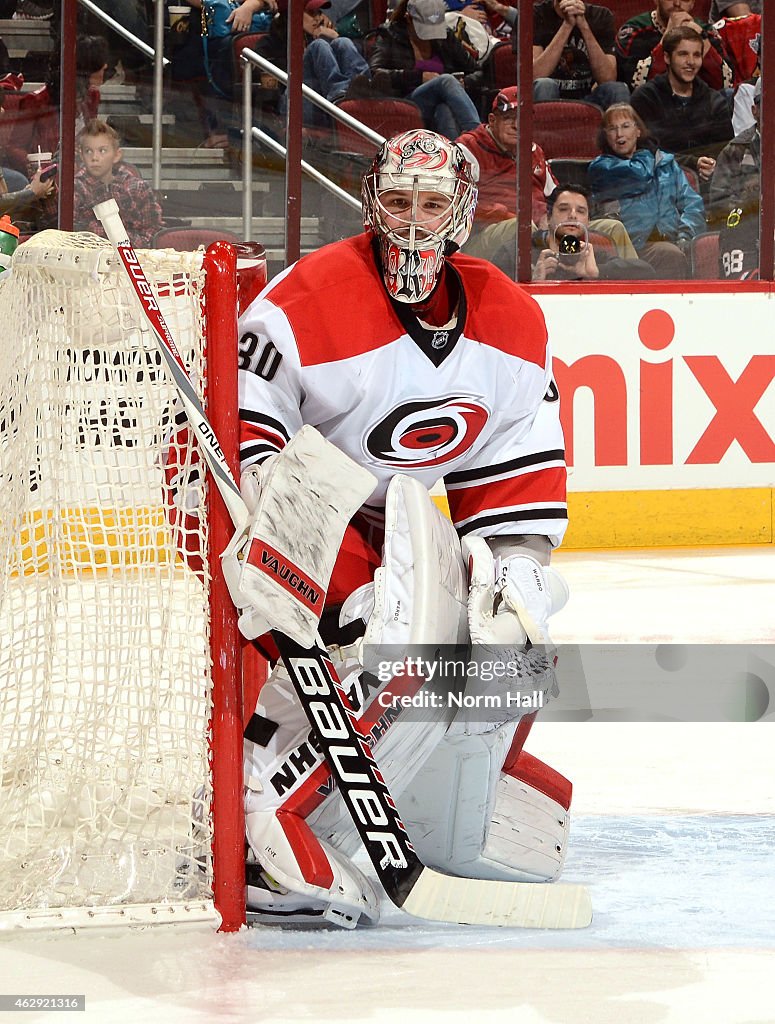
{"x": 494, "y": 147}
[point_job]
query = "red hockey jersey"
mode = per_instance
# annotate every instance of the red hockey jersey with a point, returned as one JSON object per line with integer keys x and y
{"x": 743, "y": 39}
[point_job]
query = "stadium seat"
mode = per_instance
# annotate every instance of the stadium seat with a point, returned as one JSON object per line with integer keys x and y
{"x": 188, "y": 239}
{"x": 569, "y": 171}
{"x": 240, "y": 42}
{"x": 567, "y": 129}
{"x": 602, "y": 243}
{"x": 386, "y": 116}
{"x": 705, "y": 256}
{"x": 499, "y": 69}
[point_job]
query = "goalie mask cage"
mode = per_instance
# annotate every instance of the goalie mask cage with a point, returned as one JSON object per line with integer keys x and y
{"x": 120, "y": 693}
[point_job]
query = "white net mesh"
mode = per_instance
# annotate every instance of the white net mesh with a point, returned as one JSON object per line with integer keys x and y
{"x": 104, "y": 664}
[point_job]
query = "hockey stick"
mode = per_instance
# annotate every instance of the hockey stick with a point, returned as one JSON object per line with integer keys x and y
{"x": 408, "y": 883}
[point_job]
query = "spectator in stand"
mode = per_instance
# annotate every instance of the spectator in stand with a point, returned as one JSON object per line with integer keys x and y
{"x": 18, "y": 203}
{"x": 331, "y": 62}
{"x": 477, "y": 11}
{"x": 17, "y": 195}
{"x": 741, "y": 30}
{"x": 683, "y": 114}
{"x": 105, "y": 176}
{"x": 27, "y": 10}
{"x": 742, "y": 117}
{"x": 211, "y": 100}
{"x": 417, "y": 57}
{"x": 639, "y": 45}
{"x": 131, "y": 15}
{"x": 718, "y": 6}
{"x": 39, "y": 129}
{"x": 565, "y": 252}
{"x": 494, "y": 148}
{"x": 14, "y": 179}
{"x": 573, "y": 53}
{"x": 648, "y": 190}
{"x": 735, "y": 191}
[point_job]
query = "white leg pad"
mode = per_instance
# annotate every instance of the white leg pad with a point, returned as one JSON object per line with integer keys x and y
{"x": 527, "y": 829}
{"x": 419, "y": 597}
{"x": 465, "y": 818}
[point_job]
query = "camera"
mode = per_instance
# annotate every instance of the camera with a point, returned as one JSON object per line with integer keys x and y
{"x": 569, "y": 246}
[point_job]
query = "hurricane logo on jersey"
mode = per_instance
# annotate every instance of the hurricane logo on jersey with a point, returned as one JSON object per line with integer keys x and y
{"x": 427, "y": 433}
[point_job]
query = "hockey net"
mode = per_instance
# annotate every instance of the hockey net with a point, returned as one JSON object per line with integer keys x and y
{"x": 106, "y": 683}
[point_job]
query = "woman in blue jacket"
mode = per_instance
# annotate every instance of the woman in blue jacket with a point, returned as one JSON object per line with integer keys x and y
{"x": 648, "y": 191}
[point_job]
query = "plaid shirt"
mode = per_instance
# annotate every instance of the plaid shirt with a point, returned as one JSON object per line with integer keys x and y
{"x": 137, "y": 204}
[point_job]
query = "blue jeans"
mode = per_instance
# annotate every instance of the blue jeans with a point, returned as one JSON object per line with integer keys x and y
{"x": 545, "y": 90}
{"x": 329, "y": 67}
{"x": 445, "y": 106}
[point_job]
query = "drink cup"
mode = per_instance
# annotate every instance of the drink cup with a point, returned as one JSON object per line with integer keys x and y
{"x": 177, "y": 15}
{"x": 37, "y": 160}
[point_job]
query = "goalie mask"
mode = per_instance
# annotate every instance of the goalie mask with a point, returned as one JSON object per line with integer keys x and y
{"x": 419, "y": 197}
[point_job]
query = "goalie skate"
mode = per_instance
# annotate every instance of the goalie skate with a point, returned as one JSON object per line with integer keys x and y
{"x": 269, "y": 902}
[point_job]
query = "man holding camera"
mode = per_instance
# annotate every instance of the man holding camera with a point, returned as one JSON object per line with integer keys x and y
{"x": 566, "y": 252}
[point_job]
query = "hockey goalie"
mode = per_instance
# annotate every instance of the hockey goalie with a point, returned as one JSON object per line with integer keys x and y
{"x": 414, "y": 364}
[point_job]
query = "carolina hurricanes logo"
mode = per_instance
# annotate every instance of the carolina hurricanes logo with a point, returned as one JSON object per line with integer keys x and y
{"x": 427, "y": 433}
{"x": 419, "y": 151}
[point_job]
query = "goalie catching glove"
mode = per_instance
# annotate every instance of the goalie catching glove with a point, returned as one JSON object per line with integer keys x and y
{"x": 510, "y": 599}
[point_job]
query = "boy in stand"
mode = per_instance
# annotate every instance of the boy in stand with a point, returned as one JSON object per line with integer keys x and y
{"x": 104, "y": 175}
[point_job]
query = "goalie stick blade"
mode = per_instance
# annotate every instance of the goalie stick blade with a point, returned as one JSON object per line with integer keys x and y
{"x": 478, "y": 901}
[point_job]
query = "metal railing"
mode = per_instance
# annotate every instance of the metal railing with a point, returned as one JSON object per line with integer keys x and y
{"x": 249, "y": 132}
{"x": 119, "y": 29}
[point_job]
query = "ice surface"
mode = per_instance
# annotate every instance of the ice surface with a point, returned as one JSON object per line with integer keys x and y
{"x": 674, "y": 829}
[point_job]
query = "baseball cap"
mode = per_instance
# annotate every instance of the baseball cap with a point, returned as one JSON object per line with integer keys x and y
{"x": 723, "y": 5}
{"x": 428, "y": 18}
{"x": 317, "y": 5}
{"x": 757, "y": 90}
{"x": 507, "y": 99}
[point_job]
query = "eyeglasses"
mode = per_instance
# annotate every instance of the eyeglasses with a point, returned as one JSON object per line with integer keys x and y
{"x": 614, "y": 128}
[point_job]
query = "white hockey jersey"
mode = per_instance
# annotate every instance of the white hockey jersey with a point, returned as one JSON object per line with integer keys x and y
{"x": 323, "y": 344}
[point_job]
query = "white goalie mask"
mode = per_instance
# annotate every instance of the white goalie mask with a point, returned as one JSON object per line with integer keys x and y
{"x": 419, "y": 197}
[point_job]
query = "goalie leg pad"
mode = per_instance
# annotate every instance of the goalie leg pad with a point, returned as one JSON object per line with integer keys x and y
{"x": 419, "y": 597}
{"x": 294, "y": 876}
{"x": 467, "y": 818}
{"x": 420, "y": 592}
{"x": 530, "y": 820}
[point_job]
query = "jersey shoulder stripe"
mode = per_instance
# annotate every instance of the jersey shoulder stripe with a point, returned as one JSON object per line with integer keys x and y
{"x": 335, "y": 303}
